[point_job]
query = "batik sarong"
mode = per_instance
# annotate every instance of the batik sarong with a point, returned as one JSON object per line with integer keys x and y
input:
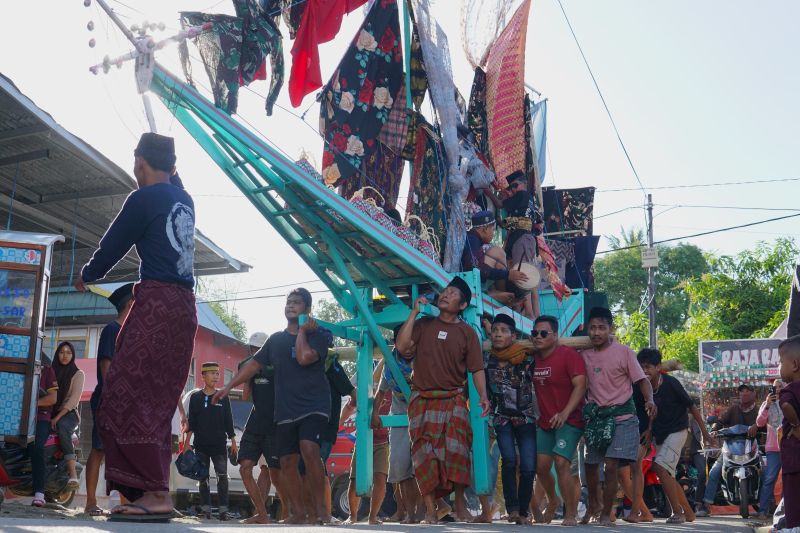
{"x": 382, "y": 169}
{"x": 476, "y": 114}
{"x": 428, "y": 195}
{"x": 568, "y": 210}
{"x": 505, "y": 78}
{"x": 441, "y": 437}
{"x": 143, "y": 387}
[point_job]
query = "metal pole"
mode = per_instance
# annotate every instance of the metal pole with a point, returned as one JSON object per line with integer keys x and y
{"x": 651, "y": 277}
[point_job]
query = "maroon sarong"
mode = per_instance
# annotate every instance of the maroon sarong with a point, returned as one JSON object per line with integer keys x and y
{"x": 143, "y": 387}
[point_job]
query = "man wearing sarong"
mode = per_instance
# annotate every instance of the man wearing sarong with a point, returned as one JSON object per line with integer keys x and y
{"x": 154, "y": 347}
{"x": 446, "y": 349}
{"x": 612, "y": 430}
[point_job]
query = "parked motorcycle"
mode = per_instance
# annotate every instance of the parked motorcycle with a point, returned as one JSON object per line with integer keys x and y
{"x": 741, "y": 467}
{"x": 17, "y": 475}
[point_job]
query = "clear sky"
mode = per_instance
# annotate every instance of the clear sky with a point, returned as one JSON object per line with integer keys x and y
{"x": 702, "y": 92}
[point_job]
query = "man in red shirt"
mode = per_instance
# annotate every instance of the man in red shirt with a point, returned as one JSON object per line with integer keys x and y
{"x": 559, "y": 376}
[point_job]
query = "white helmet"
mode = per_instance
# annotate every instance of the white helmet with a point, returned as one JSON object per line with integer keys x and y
{"x": 258, "y": 339}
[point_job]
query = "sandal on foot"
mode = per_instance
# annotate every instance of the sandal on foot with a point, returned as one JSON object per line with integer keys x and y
{"x": 38, "y": 502}
{"x": 146, "y": 516}
{"x": 94, "y": 510}
{"x": 676, "y": 519}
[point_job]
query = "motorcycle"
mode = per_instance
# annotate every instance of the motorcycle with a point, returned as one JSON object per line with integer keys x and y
{"x": 16, "y": 473}
{"x": 741, "y": 467}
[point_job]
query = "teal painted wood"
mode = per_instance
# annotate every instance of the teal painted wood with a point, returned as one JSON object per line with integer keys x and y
{"x": 347, "y": 250}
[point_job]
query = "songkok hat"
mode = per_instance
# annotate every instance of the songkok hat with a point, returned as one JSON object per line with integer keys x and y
{"x": 503, "y": 318}
{"x": 121, "y": 296}
{"x": 157, "y": 150}
{"x": 258, "y": 339}
{"x": 461, "y": 285}
{"x": 600, "y": 312}
{"x": 515, "y": 176}
{"x": 209, "y": 367}
{"x": 482, "y": 218}
{"x": 745, "y": 386}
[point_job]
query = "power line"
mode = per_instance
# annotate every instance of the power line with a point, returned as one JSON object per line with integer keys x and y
{"x": 742, "y": 208}
{"x": 698, "y": 185}
{"x": 605, "y": 105}
{"x": 263, "y": 297}
{"x": 710, "y": 232}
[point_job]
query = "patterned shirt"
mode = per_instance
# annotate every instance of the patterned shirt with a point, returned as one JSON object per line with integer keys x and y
{"x": 511, "y": 392}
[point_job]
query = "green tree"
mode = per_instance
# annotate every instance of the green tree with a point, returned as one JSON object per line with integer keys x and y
{"x": 331, "y": 311}
{"x": 221, "y": 301}
{"x": 745, "y": 294}
{"x": 621, "y": 276}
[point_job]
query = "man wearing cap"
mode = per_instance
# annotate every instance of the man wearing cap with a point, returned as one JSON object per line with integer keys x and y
{"x": 744, "y": 412}
{"x": 154, "y": 347}
{"x": 122, "y": 300}
{"x": 446, "y": 349}
{"x": 612, "y": 429}
{"x": 211, "y": 424}
{"x": 258, "y": 439}
{"x": 514, "y": 412}
{"x": 479, "y": 253}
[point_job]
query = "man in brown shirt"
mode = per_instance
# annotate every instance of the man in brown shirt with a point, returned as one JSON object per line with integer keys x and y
{"x": 446, "y": 349}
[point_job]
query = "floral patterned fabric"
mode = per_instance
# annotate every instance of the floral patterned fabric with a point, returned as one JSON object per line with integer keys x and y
{"x": 428, "y": 196}
{"x": 358, "y": 99}
{"x": 568, "y": 210}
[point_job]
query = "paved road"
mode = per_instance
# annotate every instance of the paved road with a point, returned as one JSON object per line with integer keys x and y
{"x": 78, "y": 525}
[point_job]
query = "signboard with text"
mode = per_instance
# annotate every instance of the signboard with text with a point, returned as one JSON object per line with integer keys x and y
{"x": 759, "y": 357}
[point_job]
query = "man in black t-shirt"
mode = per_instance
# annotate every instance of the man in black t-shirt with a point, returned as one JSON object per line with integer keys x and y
{"x": 211, "y": 424}
{"x": 669, "y": 429}
{"x": 122, "y": 300}
{"x": 302, "y": 402}
{"x": 258, "y": 438}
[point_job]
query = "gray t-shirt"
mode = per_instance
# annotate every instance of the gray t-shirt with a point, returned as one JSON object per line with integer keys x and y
{"x": 300, "y": 391}
{"x": 399, "y": 404}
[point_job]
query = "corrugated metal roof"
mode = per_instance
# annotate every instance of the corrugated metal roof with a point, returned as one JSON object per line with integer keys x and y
{"x": 60, "y": 184}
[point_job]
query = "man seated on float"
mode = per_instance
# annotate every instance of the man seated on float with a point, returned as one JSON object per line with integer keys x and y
{"x": 521, "y": 218}
{"x": 490, "y": 260}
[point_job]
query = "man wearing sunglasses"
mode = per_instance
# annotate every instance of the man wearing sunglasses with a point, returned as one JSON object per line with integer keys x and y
{"x": 559, "y": 376}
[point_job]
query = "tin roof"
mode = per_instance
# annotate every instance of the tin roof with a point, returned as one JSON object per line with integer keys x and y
{"x": 55, "y": 182}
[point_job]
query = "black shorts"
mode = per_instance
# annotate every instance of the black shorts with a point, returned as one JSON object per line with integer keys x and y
{"x": 94, "y": 403}
{"x": 258, "y": 439}
{"x": 289, "y": 434}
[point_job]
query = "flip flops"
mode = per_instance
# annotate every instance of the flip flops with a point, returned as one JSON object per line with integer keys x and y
{"x": 95, "y": 511}
{"x": 146, "y": 516}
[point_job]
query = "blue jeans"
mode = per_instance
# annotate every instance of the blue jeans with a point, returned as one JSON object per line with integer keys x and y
{"x": 714, "y": 479}
{"x": 509, "y": 438}
{"x": 769, "y": 476}
{"x": 38, "y": 468}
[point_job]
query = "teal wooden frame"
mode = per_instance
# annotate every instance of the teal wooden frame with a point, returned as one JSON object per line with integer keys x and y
{"x": 349, "y": 252}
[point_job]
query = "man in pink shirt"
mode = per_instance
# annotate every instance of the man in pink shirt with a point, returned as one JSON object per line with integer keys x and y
{"x": 770, "y": 415}
{"x": 612, "y": 432}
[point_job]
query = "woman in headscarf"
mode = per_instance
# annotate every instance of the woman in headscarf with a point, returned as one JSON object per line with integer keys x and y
{"x": 65, "y": 421}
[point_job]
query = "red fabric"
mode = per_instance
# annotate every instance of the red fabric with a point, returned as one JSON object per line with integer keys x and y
{"x": 381, "y": 436}
{"x": 552, "y": 378}
{"x": 261, "y": 74}
{"x": 320, "y": 24}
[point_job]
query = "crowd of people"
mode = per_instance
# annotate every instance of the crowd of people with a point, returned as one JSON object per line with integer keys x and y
{"x": 559, "y": 419}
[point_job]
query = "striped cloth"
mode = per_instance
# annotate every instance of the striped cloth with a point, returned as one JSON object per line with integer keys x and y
{"x": 441, "y": 437}
{"x": 505, "y": 96}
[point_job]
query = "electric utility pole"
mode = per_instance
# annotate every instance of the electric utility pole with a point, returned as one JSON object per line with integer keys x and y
{"x": 650, "y": 261}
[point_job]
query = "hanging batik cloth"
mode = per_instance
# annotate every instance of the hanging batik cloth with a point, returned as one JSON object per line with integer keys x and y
{"x": 293, "y": 14}
{"x": 428, "y": 196}
{"x": 436, "y": 52}
{"x": 476, "y": 114}
{"x": 320, "y": 23}
{"x": 505, "y": 79}
{"x": 383, "y": 170}
{"x": 418, "y": 75}
{"x": 568, "y": 211}
{"x": 357, "y": 100}
{"x": 234, "y": 50}
{"x": 394, "y": 133}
